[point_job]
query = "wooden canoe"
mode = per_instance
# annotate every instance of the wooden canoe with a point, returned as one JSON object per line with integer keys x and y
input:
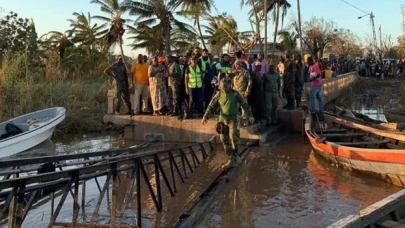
{"x": 391, "y": 125}
{"x": 389, "y": 212}
{"x": 359, "y": 147}
{"x": 395, "y": 116}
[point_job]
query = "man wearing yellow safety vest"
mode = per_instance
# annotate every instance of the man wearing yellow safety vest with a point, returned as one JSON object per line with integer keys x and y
{"x": 205, "y": 62}
{"x": 194, "y": 85}
{"x": 225, "y": 66}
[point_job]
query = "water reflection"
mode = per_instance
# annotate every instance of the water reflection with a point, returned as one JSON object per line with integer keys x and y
{"x": 285, "y": 186}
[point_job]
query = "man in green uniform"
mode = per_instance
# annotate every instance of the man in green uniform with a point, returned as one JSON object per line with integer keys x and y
{"x": 228, "y": 100}
{"x": 120, "y": 74}
{"x": 290, "y": 72}
{"x": 242, "y": 82}
{"x": 174, "y": 83}
{"x": 270, "y": 85}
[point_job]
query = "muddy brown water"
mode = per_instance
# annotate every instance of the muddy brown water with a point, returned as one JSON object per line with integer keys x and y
{"x": 287, "y": 186}
{"x": 281, "y": 186}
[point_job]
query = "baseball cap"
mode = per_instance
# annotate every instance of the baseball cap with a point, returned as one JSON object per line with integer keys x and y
{"x": 161, "y": 59}
{"x": 257, "y": 63}
{"x": 216, "y": 57}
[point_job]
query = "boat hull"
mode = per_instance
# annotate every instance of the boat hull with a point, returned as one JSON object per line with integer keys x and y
{"x": 387, "y": 164}
{"x": 32, "y": 138}
{"x": 28, "y": 143}
{"x": 396, "y": 117}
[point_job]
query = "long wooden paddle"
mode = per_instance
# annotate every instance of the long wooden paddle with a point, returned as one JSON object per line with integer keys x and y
{"x": 320, "y": 139}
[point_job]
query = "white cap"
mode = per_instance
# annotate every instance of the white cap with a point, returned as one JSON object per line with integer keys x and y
{"x": 216, "y": 57}
{"x": 258, "y": 63}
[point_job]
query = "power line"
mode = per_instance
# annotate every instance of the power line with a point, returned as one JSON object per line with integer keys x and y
{"x": 355, "y": 7}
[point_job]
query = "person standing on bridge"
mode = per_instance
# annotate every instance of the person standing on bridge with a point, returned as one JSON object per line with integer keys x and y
{"x": 299, "y": 80}
{"x": 242, "y": 82}
{"x": 256, "y": 98}
{"x": 119, "y": 72}
{"x": 316, "y": 85}
{"x": 175, "y": 77}
{"x": 290, "y": 72}
{"x": 194, "y": 85}
{"x": 228, "y": 100}
{"x": 157, "y": 86}
{"x": 141, "y": 84}
{"x": 270, "y": 85}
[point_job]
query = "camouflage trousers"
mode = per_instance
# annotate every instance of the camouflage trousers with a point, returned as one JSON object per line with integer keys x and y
{"x": 244, "y": 98}
{"x": 173, "y": 94}
{"x": 230, "y": 140}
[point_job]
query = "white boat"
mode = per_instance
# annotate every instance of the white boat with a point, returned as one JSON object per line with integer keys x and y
{"x": 36, "y": 127}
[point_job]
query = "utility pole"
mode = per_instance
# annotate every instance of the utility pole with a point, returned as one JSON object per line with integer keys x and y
{"x": 381, "y": 42}
{"x": 265, "y": 29}
{"x": 403, "y": 20}
{"x": 299, "y": 25}
{"x": 374, "y": 34}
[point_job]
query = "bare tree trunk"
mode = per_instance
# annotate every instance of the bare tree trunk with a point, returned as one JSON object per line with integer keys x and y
{"x": 122, "y": 51}
{"x": 320, "y": 52}
{"x": 258, "y": 22}
{"x": 168, "y": 40}
{"x": 197, "y": 19}
{"x": 265, "y": 29}
{"x": 276, "y": 29}
{"x": 299, "y": 26}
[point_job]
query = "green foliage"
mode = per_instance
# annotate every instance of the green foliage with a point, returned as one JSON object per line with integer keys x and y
{"x": 288, "y": 40}
{"x": 13, "y": 69}
{"x": 159, "y": 15}
{"x": 83, "y": 97}
{"x": 13, "y": 33}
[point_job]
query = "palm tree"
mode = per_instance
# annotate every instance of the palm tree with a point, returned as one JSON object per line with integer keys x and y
{"x": 275, "y": 5}
{"x": 227, "y": 27}
{"x": 194, "y": 9}
{"x": 195, "y": 13}
{"x": 215, "y": 36}
{"x": 114, "y": 9}
{"x": 157, "y": 12}
{"x": 152, "y": 39}
{"x": 254, "y": 12}
{"x": 288, "y": 40}
{"x": 57, "y": 41}
{"x": 83, "y": 32}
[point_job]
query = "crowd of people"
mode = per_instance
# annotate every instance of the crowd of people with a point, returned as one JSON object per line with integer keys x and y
{"x": 183, "y": 86}
{"x": 200, "y": 84}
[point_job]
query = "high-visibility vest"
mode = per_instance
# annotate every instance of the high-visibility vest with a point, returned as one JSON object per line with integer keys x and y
{"x": 194, "y": 78}
{"x": 225, "y": 69}
{"x": 204, "y": 64}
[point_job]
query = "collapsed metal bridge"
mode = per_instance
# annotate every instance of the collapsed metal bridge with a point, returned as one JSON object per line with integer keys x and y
{"x": 21, "y": 187}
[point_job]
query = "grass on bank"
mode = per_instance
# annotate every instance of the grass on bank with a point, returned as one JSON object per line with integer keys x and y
{"x": 23, "y": 90}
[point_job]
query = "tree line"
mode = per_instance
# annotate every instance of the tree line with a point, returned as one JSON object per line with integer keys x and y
{"x": 155, "y": 25}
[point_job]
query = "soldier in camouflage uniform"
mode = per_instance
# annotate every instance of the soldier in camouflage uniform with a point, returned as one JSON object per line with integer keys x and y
{"x": 228, "y": 100}
{"x": 290, "y": 71}
{"x": 119, "y": 72}
{"x": 270, "y": 85}
{"x": 242, "y": 83}
{"x": 175, "y": 77}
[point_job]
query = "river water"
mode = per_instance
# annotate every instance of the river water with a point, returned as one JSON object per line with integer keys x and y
{"x": 281, "y": 186}
{"x": 288, "y": 186}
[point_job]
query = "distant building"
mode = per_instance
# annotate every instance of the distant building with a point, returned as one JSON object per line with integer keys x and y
{"x": 256, "y": 50}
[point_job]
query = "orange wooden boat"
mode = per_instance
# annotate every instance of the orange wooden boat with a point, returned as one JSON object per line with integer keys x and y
{"x": 359, "y": 147}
